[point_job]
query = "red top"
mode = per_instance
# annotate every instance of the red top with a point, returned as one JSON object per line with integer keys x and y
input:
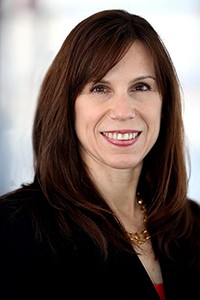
{"x": 160, "y": 290}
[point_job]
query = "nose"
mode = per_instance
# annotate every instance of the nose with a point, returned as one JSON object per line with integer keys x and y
{"x": 122, "y": 108}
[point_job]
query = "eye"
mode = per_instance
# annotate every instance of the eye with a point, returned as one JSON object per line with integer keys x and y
{"x": 141, "y": 87}
{"x": 102, "y": 89}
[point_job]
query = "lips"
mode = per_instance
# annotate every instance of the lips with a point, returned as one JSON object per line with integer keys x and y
{"x": 119, "y": 136}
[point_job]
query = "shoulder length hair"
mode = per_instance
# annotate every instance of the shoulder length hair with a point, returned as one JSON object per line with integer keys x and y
{"x": 90, "y": 50}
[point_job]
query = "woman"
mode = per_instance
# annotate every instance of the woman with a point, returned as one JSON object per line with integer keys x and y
{"x": 107, "y": 214}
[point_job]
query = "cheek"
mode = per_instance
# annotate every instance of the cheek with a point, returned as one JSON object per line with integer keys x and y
{"x": 159, "y": 113}
{"x": 84, "y": 118}
{"x": 79, "y": 116}
{"x": 157, "y": 121}
{"x": 153, "y": 118}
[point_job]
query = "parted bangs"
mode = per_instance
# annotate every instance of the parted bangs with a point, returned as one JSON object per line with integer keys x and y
{"x": 96, "y": 46}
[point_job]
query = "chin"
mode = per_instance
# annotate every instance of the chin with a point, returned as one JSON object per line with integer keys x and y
{"x": 124, "y": 164}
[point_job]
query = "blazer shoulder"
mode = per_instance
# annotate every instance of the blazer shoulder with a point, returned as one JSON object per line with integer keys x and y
{"x": 195, "y": 207}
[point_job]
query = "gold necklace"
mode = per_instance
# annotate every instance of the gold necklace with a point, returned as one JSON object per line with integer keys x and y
{"x": 140, "y": 237}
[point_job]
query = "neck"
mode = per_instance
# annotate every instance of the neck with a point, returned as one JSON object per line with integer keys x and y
{"x": 117, "y": 186}
{"x": 119, "y": 190}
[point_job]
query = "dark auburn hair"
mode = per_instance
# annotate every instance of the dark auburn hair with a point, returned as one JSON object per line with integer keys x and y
{"x": 90, "y": 50}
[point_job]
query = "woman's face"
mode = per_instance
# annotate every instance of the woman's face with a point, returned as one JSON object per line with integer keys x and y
{"x": 117, "y": 120}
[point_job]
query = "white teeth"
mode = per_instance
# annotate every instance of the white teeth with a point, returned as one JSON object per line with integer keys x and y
{"x": 121, "y": 136}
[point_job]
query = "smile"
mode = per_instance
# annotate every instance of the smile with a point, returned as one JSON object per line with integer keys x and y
{"x": 121, "y": 136}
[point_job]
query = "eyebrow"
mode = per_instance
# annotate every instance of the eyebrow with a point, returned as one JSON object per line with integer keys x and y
{"x": 144, "y": 77}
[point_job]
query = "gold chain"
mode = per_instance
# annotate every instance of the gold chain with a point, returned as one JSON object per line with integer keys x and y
{"x": 140, "y": 237}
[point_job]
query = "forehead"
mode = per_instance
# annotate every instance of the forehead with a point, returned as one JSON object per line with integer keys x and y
{"x": 137, "y": 61}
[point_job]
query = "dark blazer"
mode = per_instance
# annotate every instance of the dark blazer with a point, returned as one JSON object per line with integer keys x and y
{"x": 30, "y": 269}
